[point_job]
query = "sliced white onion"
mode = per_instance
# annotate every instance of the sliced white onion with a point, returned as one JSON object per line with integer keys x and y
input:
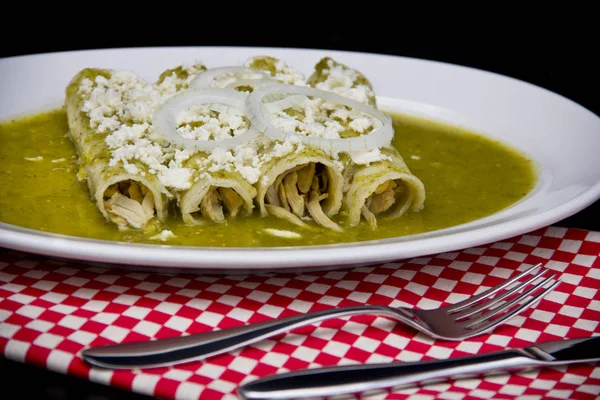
{"x": 225, "y": 109}
{"x": 378, "y": 137}
{"x": 285, "y": 103}
{"x": 164, "y": 119}
{"x": 205, "y": 78}
{"x": 254, "y": 83}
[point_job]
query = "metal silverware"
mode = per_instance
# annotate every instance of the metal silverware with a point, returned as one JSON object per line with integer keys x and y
{"x": 323, "y": 382}
{"x": 471, "y": 317}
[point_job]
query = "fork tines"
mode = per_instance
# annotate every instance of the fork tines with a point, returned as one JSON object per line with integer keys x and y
{"x": 509, "y": 298}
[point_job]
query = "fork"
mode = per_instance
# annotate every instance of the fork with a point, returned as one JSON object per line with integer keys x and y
{"x": 470, "y": 317}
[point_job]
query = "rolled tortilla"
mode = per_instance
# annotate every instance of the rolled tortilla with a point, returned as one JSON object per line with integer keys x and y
{"x": 301, "y": 185}
{"x": 385, "y": 187}
{"x": 278, "y": 69}
{"x": 382, "y": 189}
{"x": 130, "y": 201}
{"x": 305, "y": 184}
{"x": 336, "y": 77}
{"x": 214, "y": 195}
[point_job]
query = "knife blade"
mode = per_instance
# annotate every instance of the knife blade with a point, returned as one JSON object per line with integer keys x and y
{"x": 331, "y": 381}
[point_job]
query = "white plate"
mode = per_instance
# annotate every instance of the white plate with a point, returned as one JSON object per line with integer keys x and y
{"x": 560, "y": 135}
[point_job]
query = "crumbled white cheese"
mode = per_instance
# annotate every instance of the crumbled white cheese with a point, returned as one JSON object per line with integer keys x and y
{"x": 286, "y": 123}
{"x": 130, "y": 168}
{"x": 123, "y": 105}
{"x": 173, "y": 83}
{"x": 223, "y": 80}
{"x": 164, "y": 236}
{"x": 323, "y": 119}
{"x": 180, "y": 156}
{"x": 282, "y": 233}
{"x": 415, "y": 157}
{"x": 122, "y": 98}
{"x": 86, "y": 87}
{"x": 291, "y": 144}
{"x": 125, "y": 135}
{"x": 248, "y": 159}
{"x": 242, "y": 159}
{"x": 360, "y": 93}
{"x": 367, "y": 157}
{"x": 221, "y": 156}
{"x": 57, "y": 160}
{"x": 211, "y": 124}
{"x": 343, "y": 81}
{"x": 105, "y": 124}
{"x": 234, "y": 122}
{"x": 285, "y": 74}
{"x": 251, "y": 174}
{"x": 341, "y": 113}
{"x": 38, "y": 158}
{"x": 361, "y": 124}
{"x": 199, "y": 112}
{"x": 176, "y": 178}
{"x": 142, "y": 150}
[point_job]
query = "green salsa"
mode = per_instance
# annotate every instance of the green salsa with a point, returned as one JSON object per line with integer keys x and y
{"x": 466, "y": 177}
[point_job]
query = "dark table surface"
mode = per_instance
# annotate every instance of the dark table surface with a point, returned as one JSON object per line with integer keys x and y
{"x": 556, "y": 65}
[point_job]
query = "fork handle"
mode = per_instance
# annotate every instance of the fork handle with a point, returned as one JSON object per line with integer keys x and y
{"x": 163, "y": 352}
{"x": 332, "y": 381}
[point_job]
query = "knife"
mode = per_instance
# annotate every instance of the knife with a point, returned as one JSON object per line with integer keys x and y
{"x": 331, "y": 381}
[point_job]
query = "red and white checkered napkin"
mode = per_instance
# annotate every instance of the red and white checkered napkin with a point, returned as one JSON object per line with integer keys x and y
{"x": 50, "y": 311}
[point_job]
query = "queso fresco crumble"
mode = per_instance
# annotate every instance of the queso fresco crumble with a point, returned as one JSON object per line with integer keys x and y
{"x": 123, "y": 105}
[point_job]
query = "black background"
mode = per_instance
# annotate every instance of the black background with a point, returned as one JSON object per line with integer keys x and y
{"x": 557, "y": 58}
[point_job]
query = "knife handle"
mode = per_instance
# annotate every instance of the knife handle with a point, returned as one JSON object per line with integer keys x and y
{"x": 323, "y": 382}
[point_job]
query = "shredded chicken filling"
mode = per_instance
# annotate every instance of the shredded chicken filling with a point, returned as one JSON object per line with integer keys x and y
{"x": 298, "y": 193}
{"x": 129, "y": 203}
{"x": 220, "y": 202}
{"x": 382, "y": 199}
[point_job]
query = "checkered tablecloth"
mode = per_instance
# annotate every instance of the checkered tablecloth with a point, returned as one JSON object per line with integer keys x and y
{"x": 50, "y": 310}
